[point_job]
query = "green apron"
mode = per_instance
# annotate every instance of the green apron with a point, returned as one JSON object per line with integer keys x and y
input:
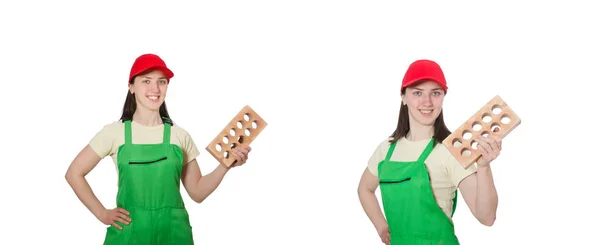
{"x": 149, "y": 177}
{"x": 413, "y": 215}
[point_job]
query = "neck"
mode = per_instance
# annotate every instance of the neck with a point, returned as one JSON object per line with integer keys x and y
{"x": 147, "y": 117}
{"x": 419, "y": 131}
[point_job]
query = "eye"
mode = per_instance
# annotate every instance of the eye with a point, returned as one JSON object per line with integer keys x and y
{"x": 436, "y": 93}
{"x": 146, "y": 81}
{"x": 417, "y": 93}
{"x": 163, "y": 81}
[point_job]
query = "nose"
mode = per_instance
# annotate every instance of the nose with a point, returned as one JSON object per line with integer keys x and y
{"x": 154, "y": 87}
{"x": 426, "y": 100}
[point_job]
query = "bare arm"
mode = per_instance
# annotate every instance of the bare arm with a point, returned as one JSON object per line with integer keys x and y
{"x": 480, "y": 194}
{"x": 83, "y": 163}
{"x": 200, "y": 187}
{"x": 366, "y": 193}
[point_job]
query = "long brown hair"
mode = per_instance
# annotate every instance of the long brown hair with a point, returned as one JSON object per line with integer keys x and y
{"x": 440, "y": 130}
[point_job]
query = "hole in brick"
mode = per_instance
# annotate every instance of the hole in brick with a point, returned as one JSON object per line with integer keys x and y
{"x": 219, "y": 147}
{"x": 241, "y": 139}
{"x": 496, "y": 109}
{"x": 225, "y": 139}
{"x": 486, "y": 118}
{"x": 226, "y": 155}
{"x": 247, "y": 132}
{"x": 240, "y": 124}
{"x": 456, "y": 143}
{"x": 232, "y": 132}
{"x": 247, "y": 117}
{"x": 465, "y": 152}
{"x": 467, "y": 134}
{"x": 254, "y": 124}
{"x": 233, "y": 145}
{"x": 474, "y": 145}
{"x": 476, "y": 126}
{"x": 485, "y": 134}
{"x": 496, "y": 127}
{"x": 505, "y": 119}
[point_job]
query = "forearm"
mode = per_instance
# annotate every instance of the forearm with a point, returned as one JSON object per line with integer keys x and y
{"x": 486, "y": 201}
{"x": 208, "y": 183}
{"x": 85, "y": 194}
{"x": 370, "y": 205}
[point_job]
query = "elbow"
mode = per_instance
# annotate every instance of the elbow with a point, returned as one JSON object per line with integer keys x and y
{"x": 198, "y": 198}
{"x": 69, "y": 177}
{"x": 364, "y": 192}
{"x": 488, "y": 220}
{"x": 73, "y": 176}
{"x": 360, "y": 191}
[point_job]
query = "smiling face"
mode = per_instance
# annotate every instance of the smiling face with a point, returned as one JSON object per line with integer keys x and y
{"x": 424, "y": 101}
{"x": 150, "y": 89}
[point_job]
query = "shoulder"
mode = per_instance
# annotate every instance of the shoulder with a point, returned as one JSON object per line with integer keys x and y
{"x": 383, "y": 147}
{"x": 442, "y": 151}
{"x": 180, "y": 132}
{"x": 378, "y": 155}
{"x": 386, "y": 143}
{"x": 111, "y": 129}
{"x": 183, "y": 138}
{"x": 103, "y": 143}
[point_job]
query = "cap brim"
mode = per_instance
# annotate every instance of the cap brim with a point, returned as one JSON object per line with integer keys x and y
{"x": 422, "y": 79}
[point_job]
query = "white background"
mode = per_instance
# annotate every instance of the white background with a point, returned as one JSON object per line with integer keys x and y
{"x": 326, "y": 77}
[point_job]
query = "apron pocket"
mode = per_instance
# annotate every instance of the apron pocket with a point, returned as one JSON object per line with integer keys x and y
{"x": 394, "y": 181}
{"x": 148, "y": 162}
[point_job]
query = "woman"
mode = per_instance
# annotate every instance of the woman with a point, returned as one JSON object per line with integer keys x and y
{"x": 418, "y": 175}
{"x": 152, "y": 155}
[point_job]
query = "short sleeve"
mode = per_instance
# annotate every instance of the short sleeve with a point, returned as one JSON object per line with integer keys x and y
{"x": 103, "y": 142}
{"x": 190, "y": 151}
{"x": 377, "y": 156}
{"x": 457, "y": 172}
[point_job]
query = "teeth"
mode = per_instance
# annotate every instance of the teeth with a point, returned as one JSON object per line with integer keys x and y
{"x": 153, "y": 97}
{"x": 426, "y": 111}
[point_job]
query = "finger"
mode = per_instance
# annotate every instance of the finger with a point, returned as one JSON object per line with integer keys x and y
{"x": 493, "y": 143}
{"x": 121, "y": 220}
{"x": 241, "y": 156}
{"x": 116, "y": 225}
{"x": 123, "y": 211}
{"x": 238, "y": 160}
{"x": 498, "y": 142}
{"x": 245, "y": 148}
{"x": 483, "y": 146}
{"x": 242, "y": 153}
{"x": 125, "y": 217}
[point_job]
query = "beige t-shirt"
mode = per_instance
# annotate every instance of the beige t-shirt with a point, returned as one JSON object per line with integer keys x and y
{"x": 444, "y": 170}
{"x": 107, "y": 141}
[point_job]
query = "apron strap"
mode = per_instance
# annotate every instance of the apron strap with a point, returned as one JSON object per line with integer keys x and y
{"x": 390, "y": 151}
{"x": 427, "y": 151}
{"x": 167, "y": 131}
{"x": 424, "y": 156}
{"x": 127, "y": 132}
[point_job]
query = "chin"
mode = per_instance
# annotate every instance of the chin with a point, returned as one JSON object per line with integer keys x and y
{"x": 153, "y": 106}
{"x": 426, "y": 119}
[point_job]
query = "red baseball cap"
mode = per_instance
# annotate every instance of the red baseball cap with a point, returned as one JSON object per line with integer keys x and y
{"x": 149, "y": 61}
{"x": 424, "y": 70}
